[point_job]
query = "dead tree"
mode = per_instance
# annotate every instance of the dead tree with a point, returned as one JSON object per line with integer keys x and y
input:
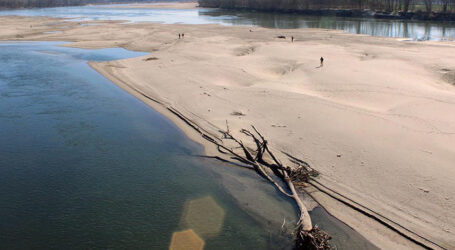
{"x": 263, "y": 161}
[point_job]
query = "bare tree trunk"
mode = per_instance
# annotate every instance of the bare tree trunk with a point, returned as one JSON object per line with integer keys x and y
{"x": 428, "y": 5}
{"x": 406, "y": 6}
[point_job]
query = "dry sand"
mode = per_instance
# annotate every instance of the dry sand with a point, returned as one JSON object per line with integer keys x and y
{"x": 377, "y": 121}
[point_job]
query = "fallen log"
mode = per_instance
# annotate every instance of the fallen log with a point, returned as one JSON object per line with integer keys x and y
{"x": 263, "y": 161}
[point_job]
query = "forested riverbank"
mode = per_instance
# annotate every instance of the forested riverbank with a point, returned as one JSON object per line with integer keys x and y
{"x": 443, "y": 10}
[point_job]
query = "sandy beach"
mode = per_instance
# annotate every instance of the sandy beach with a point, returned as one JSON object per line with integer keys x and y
{"x": 377, "y": 120}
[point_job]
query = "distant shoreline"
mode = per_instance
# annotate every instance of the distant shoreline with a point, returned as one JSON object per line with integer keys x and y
{"x": 421, "y": 16}
{"x": 90, "y": 3}
{"x": 412, "y": 15}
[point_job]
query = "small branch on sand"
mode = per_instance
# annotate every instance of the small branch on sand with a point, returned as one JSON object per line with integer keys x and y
{"x": 151, "y": 58}
{"x": 264, "y": 162}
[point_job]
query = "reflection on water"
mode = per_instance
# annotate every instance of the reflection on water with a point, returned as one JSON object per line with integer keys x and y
{"x": 416, "y": 30}
{"x": 186, "y": 240}
{"x": 204, "y": 216}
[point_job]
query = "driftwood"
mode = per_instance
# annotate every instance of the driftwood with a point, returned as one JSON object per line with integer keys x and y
{"x": 304, "y": 174}
{"x": 307, "y": 237}
{"x": 263, "y": 161}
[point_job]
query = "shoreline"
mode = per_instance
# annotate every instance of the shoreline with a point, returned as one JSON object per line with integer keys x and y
{"x": 244, "y": 52}
{"x": 159, "y": 107}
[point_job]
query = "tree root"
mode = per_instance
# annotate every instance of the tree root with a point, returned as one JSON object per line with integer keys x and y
{"x": 315, "y": 239}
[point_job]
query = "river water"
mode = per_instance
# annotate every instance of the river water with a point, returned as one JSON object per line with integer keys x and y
{"x": 415, "y": 30}
{"x": 84, "y": 165}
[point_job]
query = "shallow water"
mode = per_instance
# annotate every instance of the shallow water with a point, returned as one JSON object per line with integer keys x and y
{"x": 415, "y": 30}
{"x": 84, "y": 165}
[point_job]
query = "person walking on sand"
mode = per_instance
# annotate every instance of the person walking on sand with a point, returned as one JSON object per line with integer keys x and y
{"x": 322, "y": 61}
{"x": 292, "y": 39}
{"x": 179, "y": 35}
{"x": 183, "y": 35}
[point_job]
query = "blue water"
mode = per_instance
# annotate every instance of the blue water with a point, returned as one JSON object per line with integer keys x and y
{"x": 415, "y": 30}
{"x": 110, "y": 12}
{"x": 84, "y": 165}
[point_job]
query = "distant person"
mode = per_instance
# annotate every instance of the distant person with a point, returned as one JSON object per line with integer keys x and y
{"x": 322, "y": 61}
{"x": 179, "y": 35}
{"x": 183, "y": 35}
{"x": 292, "y": 39}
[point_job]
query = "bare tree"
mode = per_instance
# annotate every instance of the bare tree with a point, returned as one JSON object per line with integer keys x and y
{"x": 428, "y": 5}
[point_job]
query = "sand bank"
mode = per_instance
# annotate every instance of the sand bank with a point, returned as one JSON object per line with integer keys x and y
{"x": 377, "y": 120}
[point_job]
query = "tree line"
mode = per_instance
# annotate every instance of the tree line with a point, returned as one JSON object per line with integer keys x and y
{"x": 397, "y": 6}
{"x": 56, "y": 3}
